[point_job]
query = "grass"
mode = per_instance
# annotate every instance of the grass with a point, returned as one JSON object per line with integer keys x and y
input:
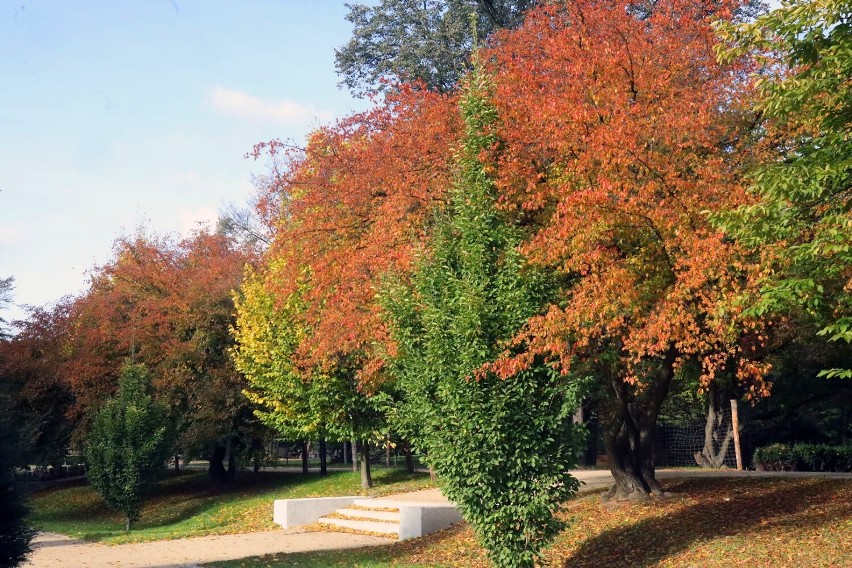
{"x": 190, "y": 504}
{"x": 707, "y": 522}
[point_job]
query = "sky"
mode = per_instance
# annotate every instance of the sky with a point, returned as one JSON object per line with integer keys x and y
{"x": 119, "y": 113}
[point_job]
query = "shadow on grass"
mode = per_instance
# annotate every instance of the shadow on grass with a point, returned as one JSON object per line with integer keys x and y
{"x": 649, "y": 541}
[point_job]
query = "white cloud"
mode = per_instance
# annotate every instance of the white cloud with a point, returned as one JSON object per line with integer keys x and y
{"x": 242, "y": 104}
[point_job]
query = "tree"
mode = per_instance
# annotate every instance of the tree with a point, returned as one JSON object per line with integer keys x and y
{"x": 801, "y": 224}
{"x": 410, "y": 40}
{"x": 620, "y": 131}
{"x": 15, "y": 533}
{"x": 128, "y": 444}
{"x": 501, "y": 447}
{"x": 33, "y": 370}
{"x": 298, "y": 403}
{"x": 6, "y": 286}
{"x": 167, "y": 303}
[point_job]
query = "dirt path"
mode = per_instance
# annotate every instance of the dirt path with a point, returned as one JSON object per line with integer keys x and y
{"x": 53, "y": 550}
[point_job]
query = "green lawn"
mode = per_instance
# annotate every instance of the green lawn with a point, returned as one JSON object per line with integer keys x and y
{"x": 710, "y": 523}
{"x": 189, "y": 504}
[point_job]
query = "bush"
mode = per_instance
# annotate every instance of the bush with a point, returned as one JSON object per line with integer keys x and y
{"x": 803, "y": 457}
{"x": 775, "y": 457}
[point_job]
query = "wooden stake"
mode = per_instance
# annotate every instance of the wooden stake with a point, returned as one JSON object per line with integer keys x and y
{"x": 735, "y": 424}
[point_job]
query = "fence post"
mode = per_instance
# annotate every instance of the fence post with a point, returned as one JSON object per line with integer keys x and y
{"x": 735, "y": 424}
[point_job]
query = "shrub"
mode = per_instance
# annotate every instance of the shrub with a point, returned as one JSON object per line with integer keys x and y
{"x": 803, "y": 457}
{"x": 774, "y": 457}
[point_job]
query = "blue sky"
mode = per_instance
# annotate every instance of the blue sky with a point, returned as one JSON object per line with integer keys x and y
{"x": 117, "y": 113}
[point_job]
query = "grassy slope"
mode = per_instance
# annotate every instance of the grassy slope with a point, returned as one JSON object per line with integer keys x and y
{"x": 190, "y": 505}
{"x": 708, "y": 523}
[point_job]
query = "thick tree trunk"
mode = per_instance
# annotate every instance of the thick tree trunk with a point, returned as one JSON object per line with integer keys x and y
{"x": 127, "y": 524}
{"x": 409, "y": 457}
{"x": 304, "y": 457}
{"x": 366, "y": 477}
{"x": 629, "y": 433}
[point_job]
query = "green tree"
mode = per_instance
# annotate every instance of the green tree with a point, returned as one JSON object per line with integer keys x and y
{"x": 412, "y": 40}
{"x": 801, "y": 222}
{"x": 128, "y": 443}
{"x": 15, "y": 533}
{"x": 502, "y": 448}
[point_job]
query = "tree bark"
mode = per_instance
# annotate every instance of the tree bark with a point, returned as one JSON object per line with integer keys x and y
{"x": 177, "y": 463}
{"x": 323, "y": 458}
{"x": 712, "y": 455}
{"x": 354, "y": 454}
{"x": 366, "y": 477}
{"x": 629, "y": 432}
{"x": 304, "y": 457}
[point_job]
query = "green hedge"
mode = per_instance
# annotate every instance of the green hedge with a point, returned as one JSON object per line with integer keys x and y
{"x": 803, "y": 457}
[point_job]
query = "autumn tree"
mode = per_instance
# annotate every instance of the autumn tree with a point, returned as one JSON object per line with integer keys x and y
{"x": 34, "y": 374}
{"x": 620, "y": 132}
{"x": 801, "y": 223}
{"x": 299, "y": 403}
{"x": 167, "y": 304}
{"x": 501, "y": 447}
{"x": 405, "y": 40}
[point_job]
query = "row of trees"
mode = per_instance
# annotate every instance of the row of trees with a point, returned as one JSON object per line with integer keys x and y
{"x": 619, "y": 195}
{"x": 608, "y": 198}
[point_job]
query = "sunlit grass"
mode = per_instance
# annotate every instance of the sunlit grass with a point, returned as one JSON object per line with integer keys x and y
{"x": 190, "y": 504}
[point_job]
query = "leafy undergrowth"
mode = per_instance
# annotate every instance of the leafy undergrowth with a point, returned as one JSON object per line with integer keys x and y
{"x": 707, "y": 522}
{"x": 191, "y": 505}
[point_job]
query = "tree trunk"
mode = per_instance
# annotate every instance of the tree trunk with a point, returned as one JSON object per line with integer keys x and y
{"x": 712, "y": 455}
{"x": 127, "y": 523}
{"x": 217, "y": 469}
{"x": 323, "y": 458}
{"x": 177, "y": 463}
{"x": 409, "y": 457}
{"x": 629, "y": 433}
{"x": 366, "y": 478}
{"x": 354, "y": 453}
{"x": 304, "y": 457}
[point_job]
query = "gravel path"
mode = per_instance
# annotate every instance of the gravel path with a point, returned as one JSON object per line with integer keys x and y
{"x": 58, "y": 551}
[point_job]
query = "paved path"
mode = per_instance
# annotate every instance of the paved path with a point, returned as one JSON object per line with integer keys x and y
{"x": 52, "y": 550}
{"x": 58, "y": 551}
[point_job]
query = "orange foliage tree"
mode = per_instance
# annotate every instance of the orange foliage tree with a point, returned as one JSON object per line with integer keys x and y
{"x": 167, "y": 304}
{"x": 621, "y": 131}
{"x": 618, "y": 131}
{"x": 353, "y": 205}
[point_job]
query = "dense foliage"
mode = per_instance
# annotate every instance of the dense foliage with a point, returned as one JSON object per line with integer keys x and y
{"x": 803, "y": 457}
{"x": 502, "y": 448}
{"x": 801, "y": 225}
{"x": 15, "y": 532}
{"x": 128, "y": 443}
{"x": 430, "y": 42}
